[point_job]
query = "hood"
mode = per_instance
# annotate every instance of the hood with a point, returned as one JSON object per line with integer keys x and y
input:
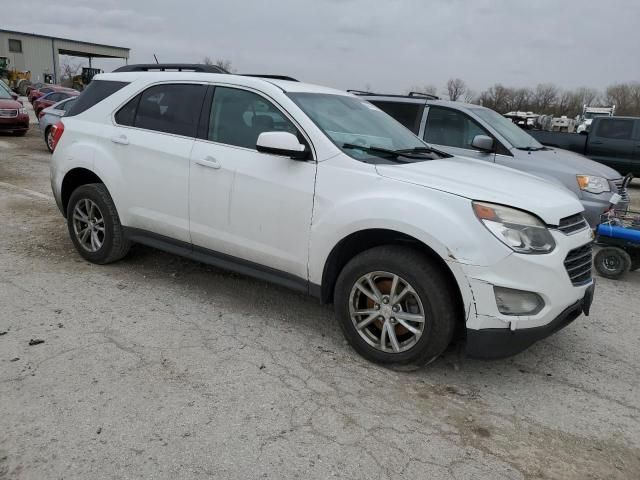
{"x": 10, "y": 104}
{"x": 479, "y": 180}
{"x": 556, "y": 159}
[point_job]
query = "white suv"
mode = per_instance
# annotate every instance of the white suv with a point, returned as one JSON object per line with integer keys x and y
{"x": 320, "y": 191}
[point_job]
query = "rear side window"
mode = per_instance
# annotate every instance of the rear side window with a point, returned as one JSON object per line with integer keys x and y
{"x": 408, "y": 114}
{"x": 170, "y": 108}
{"x": 616, "y": 129}
{"x": 97, "y": 91}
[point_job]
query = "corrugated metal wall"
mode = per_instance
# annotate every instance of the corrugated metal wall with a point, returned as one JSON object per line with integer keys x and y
{"x": 37, "y": 54}
{"x": 40, "y": 55}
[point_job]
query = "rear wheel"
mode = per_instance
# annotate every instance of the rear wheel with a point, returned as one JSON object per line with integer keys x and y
{"x": 612, "y": 262}
{"x": 395, "y": 305}
{"x": 48, "y": 138}
{"x": 94, "y": 225}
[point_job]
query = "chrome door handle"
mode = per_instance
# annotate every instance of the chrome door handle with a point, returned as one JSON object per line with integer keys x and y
{"x": 121, "y": 139}
{"x": 209, "y": 162}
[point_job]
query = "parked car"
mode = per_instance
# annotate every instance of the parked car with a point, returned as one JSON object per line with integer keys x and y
{"x": 6, "y": 88}
{"x": 34, "y": 86}
{"x": 51, "y": 99}
{"x": 481, "y": 133}
{"x": 612, "y": 141}
{"x": 13, "y": 116}
{"x": 319, "y": 191}
{"x": 39, "y": 92}
{"x": 49, "y": 116}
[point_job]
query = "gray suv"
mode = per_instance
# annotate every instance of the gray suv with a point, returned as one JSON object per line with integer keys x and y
{"x": 473, "y": 131}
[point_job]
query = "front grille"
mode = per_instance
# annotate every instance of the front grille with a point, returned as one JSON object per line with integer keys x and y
{"x": 578, "y": 265}
{"x": 572, "y": 224}
{"x": 8, "y": 113}
{"x": 621, "y": 190}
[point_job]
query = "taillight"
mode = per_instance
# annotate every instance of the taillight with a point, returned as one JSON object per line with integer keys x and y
{"x": 56, "y": 133}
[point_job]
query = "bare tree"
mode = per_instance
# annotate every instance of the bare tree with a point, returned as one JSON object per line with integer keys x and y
{"x": 428, "y": 89}
{"x": 456, "y": 88}
{"x": 620, "y": 96}
{"x": 588, "y": 96}
{"x": 521, "y": 100}
{"x": 498, "y": 98}
{"x": 223, "y": 63}
{"x": 68, "y": 70}
{"x": 544, "y": 97}
{"x": 470, "y": 96}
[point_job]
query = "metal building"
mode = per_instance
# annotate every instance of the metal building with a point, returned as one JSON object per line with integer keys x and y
{"x": 40, "y": 54}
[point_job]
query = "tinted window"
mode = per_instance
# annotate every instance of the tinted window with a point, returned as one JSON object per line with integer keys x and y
{"x": 127, "y": 114}
{"x": 66, "y": 106}
{"x": 46, "y": 90}
{"x": 617, "y": 129}
{"x": 170, "y": 108}
{"x": 408, "y": 114}
{"x": 56, "y": 97}
{"x": 97, "y": 91}
{"x": 238, "y": 117}
{"x": 451, "y": 128}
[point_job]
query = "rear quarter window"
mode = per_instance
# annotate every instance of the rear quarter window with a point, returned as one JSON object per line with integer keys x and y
{"x": 97, "y": 91}
{"x": 408, "y": 114}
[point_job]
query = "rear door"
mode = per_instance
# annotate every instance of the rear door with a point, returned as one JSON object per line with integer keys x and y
{"x": 611, "y": 142}
{"x": 152, "y": 143}
{"x": 250, "y": 205}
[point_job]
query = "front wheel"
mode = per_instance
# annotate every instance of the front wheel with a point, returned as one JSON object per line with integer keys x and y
{"x": 396, "y": 306}
{"x": 94, "y": 225}
{"x": 612, "y": 262}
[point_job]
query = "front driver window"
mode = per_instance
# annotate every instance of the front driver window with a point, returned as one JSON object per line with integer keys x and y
{"x": 451, "y": 128}
{"x": 238, "y": 117}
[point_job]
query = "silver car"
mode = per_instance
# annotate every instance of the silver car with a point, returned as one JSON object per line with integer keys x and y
{"x": 52, "y": 115}
{"x": 473, "y": 131}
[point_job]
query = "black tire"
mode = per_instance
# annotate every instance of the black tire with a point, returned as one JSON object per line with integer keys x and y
{"x": 612, "y": 262}
{"x": 114, "y": 243}
{"x": 436, "y": 294}
{"x": 47, "y": 132}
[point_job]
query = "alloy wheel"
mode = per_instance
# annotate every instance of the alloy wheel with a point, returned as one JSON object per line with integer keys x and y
{"x": 387, "y": 312}
{"x": 88, "y": 225}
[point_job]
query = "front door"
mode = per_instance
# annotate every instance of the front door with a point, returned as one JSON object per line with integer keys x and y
{"x": 252, "y": 206}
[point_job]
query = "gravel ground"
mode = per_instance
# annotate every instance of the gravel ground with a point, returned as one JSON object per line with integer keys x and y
{"x": 159, "y": 367}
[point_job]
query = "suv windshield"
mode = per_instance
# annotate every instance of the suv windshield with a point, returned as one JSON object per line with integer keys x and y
{"x": 517, "y": 137}
{"x": 352, "y": 122}
{"x": 4, "y": 94}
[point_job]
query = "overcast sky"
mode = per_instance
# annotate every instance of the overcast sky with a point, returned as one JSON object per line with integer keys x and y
{"x": 388, "y": 45}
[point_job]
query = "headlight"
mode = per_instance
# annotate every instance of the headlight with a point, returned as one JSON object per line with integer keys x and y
{"x": 23, "y": 111}
{"x": 520, "y": 231}
{"x": 591, "y": 184}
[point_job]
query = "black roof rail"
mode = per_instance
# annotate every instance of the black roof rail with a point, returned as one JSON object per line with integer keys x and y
{"x": 410, "y": 95}
{"x": 179, "y": 67}
{"x": 274, "y": 77}
{"x": 422, "y": 94}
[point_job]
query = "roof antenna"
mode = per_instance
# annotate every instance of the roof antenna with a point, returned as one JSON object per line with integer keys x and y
{"x": 156, "y": 58}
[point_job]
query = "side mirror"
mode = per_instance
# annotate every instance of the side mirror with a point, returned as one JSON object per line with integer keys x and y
{"x": 483, "y": 142}
{"x": 281, "y": 143}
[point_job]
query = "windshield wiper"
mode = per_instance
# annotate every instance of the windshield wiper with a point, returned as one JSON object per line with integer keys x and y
{"x": 395, "y": 154}
{"x": 425, "y": 150}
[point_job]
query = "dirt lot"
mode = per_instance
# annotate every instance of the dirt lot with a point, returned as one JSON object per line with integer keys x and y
{"x": 159, "y": 367}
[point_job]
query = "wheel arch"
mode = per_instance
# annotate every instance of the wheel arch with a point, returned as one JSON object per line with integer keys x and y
{"x": 363, "y": 240}
{"x": 73, "y": 179}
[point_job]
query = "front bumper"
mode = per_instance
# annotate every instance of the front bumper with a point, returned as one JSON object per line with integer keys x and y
{"x": 494, "y": 343}
{"x": 546, "y": 275}
{"x": 19, "y": 123}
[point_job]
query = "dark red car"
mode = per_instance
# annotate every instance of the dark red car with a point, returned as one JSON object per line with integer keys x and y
{"x": 13, "y": 116}
{"x": 52, "y": 98}
{"x": 39, "y": 92}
